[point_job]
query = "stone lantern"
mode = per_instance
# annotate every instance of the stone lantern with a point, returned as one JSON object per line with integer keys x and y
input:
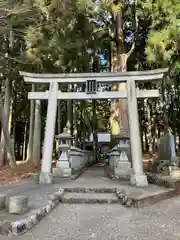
{"x": 63, "y": 166}
{"x": 123, "y": 166}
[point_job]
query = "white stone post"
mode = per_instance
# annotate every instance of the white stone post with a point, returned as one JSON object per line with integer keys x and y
{"x": 46, "y": 175}
{"x": 138, "y": 178}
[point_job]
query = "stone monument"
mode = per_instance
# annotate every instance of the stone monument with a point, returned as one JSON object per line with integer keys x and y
{"x": 166, "y": 161}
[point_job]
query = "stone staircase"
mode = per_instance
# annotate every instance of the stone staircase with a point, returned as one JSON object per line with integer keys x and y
{"x": 90, "y": 195}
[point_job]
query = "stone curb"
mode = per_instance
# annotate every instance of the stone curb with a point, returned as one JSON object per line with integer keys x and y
{"x": 23, "y": 225}
{"x": 124, "y": 199}
{"x": 169, "y": 183}
{"x": 140, "y": 202}
{"x": 155, "y": 179}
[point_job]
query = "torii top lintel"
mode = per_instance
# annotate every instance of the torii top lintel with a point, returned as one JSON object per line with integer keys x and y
{"x": 104, "y": 77}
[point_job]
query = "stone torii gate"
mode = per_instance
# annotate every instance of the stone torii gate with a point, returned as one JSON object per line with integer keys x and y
{"x": 131, "y": 93}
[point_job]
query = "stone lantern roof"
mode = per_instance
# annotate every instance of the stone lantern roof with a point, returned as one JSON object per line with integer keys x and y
{"x": 64, "y": 135}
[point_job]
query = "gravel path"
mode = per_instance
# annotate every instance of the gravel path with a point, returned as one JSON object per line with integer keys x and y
{"x": 109, "y": 222}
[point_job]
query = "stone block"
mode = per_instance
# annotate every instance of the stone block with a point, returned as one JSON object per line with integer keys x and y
{"x": 48, "y": 208}
{"x": 60, "y": 194}
{"x": 40, "y": 214}
{"x": 62, "y": 172}
{"x": 62, "y": 164}
{"x": 124, "y": 166}
{"x": 53, "y": 197}
{"x": 29, "y": 223}
{"x": 34, "y": 219}
{"x": 52, "y": 204}
{"x": 123, "y": 175}
{"x": 18, "y": 205}
{"x": 75, "y": 162}
{"x": 123, "y": 170}
{"x": 2, "y": 201}
{"x": 18, "y": 227}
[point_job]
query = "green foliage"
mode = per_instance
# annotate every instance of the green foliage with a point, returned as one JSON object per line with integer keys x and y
{"x": 164, "y": 29}
{"x": 65, "y": 36}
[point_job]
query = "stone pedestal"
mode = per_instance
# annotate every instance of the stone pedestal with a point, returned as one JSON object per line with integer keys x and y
{"x": 63, "y": 168}
{"x": 123, "y": 167}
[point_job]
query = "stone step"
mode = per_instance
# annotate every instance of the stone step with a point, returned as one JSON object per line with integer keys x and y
{"x": 89, "y": 190}
{"x": 129, "y": 198}
{"x": 90, "y": 198}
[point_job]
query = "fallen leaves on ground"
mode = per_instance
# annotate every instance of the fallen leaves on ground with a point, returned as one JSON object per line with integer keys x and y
{"x": 10, "y": 175}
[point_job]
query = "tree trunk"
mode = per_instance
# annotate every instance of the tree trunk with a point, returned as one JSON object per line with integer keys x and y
{"x": 4, "y": 123}
{"x": 9, "y": 127}
{"x": 10, "y": 116}
{"x": 119, "y": 62}
{"x": 24, "y": 142}
{"x": 149, "y": 120}
{"x": 6, "y": 112}
{"x": 69, "y": 113}
{"x": 120, "y": 65}
{"x": 31, "y": 128}
{"x": 36, "y": 157}
{"x": 14, "y": 122}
